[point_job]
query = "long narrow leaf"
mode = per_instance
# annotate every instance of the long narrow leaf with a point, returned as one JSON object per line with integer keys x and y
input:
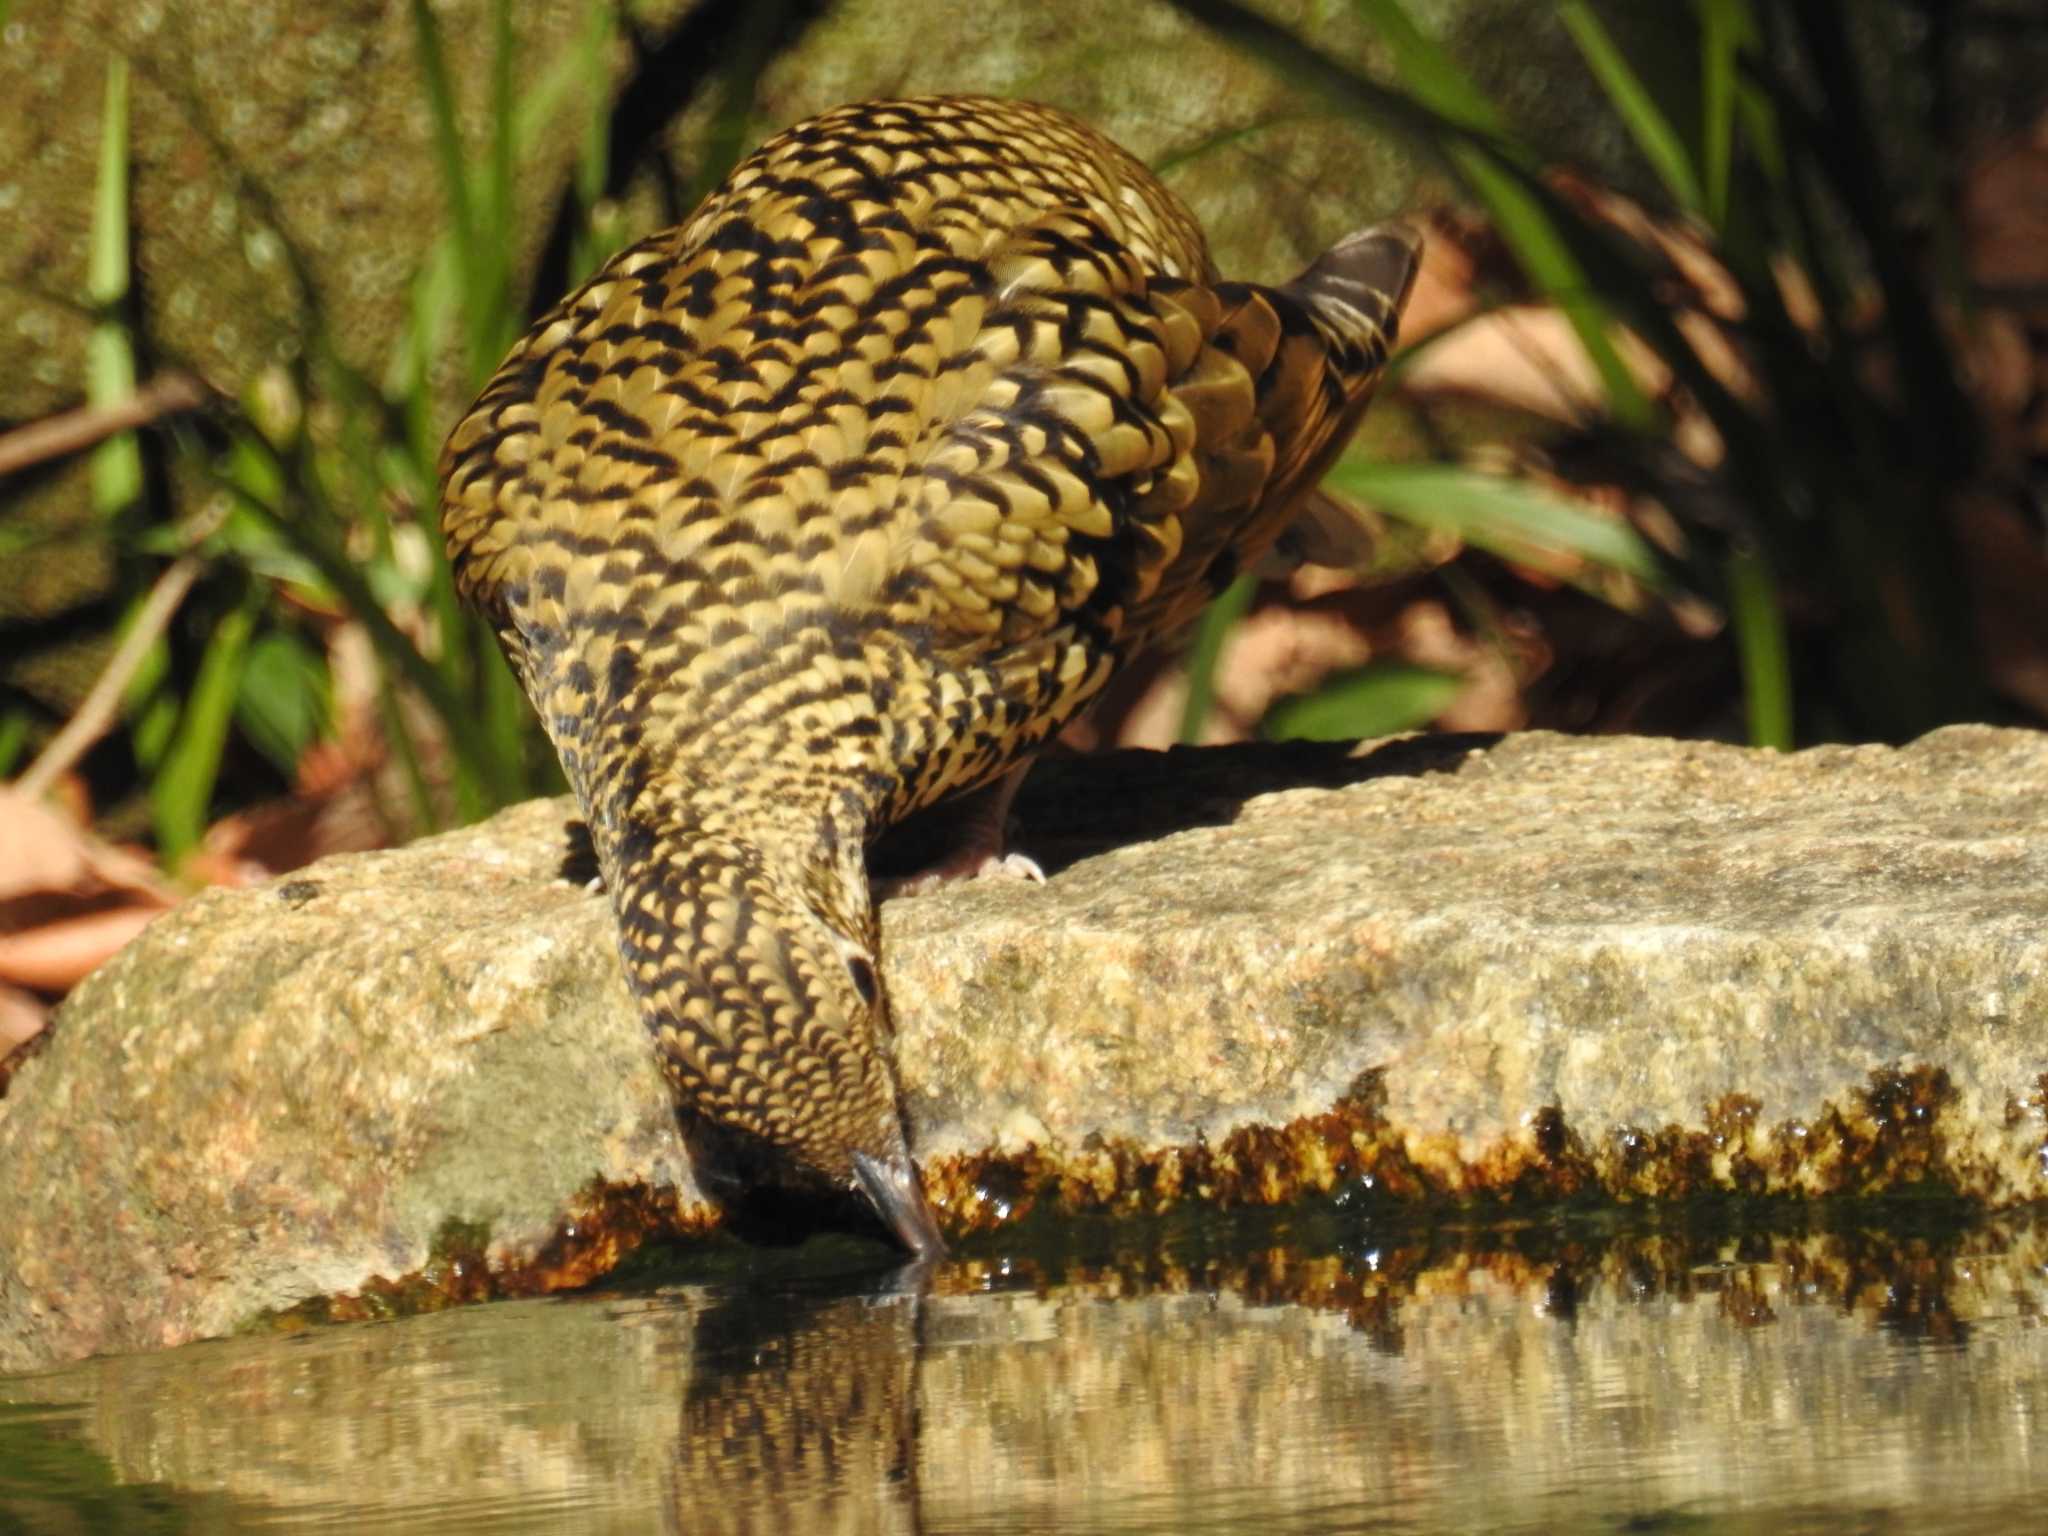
{"x": 448, "y": 156}
{"x": 1723, "y": 26}
{"x": 183, "y": 787}
{"x": 1636, "y": 107}
{"x": 596, "y": 235}
{"x": 495, "y": 206}
{"x": 493, "y": 317}
{"x": 14, "y": 725}
{"x": 1758, "y": 617}
{"x": 1217, "y": 621}
{"x": 1443, "y": 112}
{"x": 1512, "y": 518}
{"x": 1429, "y": 71}
{"x": 110, "y": 353}
{"x": 1381, "y": 698}
{"x": 1546, "y": 255}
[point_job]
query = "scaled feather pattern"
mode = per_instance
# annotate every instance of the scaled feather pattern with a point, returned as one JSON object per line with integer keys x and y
{"x": 839, "y": 499}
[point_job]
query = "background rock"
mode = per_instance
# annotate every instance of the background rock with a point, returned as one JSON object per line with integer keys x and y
{"x": 1538, "y": 969}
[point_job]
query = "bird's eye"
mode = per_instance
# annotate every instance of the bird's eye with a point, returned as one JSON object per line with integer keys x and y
{"x": 863, "y": 973}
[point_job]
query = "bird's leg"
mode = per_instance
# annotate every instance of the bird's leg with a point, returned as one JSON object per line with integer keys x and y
{"x": 972, "y": 844}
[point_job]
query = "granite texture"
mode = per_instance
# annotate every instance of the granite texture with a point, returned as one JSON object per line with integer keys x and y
{"x": 1507, "y": 972}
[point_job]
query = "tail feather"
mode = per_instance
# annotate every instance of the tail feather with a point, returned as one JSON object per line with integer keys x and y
{"x": 1356, "y": 289}
{"x": 1354, "y": 292}
{"x": 1309, "y": 352}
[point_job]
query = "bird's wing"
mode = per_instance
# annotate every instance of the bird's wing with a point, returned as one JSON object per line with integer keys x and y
{"x": 1133, "y": 439}
{"x": 954, "y": 370}
{"x": 732, "y": 408}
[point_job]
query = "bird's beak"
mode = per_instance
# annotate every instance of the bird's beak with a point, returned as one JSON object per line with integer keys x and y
{"x": 892, "y": 1188}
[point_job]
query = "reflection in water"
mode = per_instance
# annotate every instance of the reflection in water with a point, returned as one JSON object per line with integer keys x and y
{"x": 800, "y": 1415}
{"x": 1535, "y": 1379}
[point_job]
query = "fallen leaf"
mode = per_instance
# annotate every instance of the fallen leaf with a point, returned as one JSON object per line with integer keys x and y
{"x": 54, "y": 957}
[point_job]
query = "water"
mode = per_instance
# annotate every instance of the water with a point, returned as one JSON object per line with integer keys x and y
{"x": 1300, "y": 1376}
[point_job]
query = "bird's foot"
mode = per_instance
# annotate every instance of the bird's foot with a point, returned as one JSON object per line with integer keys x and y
{"x": 969, "y": 843}
{"x": 967, "y": 864}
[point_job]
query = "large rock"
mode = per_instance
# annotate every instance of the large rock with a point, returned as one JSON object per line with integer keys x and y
{"x": 1445, "y": 970}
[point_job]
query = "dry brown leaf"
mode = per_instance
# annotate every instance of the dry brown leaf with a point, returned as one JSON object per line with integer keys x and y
{"x": 1528, "y": 358}
{"x": 54, "y": 957}
{"x": 22, "y": 1016}
{"x": 41, "y": 850}
{"x": 1443, "y": 292}
{"x": 2005, "y": 215}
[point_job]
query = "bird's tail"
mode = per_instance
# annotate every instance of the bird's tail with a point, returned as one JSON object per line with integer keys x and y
{"x": 1354, "y": 293}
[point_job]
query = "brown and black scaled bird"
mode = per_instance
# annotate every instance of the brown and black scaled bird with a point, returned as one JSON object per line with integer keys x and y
{"x": 839, "y": 499}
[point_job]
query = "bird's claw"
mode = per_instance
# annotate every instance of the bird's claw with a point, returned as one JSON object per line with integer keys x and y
{"x": 973, "y": 866}
{"x": 1010, "y": 866}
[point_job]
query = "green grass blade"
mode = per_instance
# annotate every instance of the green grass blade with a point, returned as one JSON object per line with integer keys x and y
{"x": 479, "y": 206}
{"x": 1512, "y": 518}
{"x": 14, "y": 725}
{"x": 1217, "y": 620}
{"x": 147, "y": 702}
{"x": 448, "y": 156}
{"x": 1235, "y": 137}
{"x": 1723, "y": 28}
{"x": 495, "y": 207}
{"x": 1635, "y": 106}
{"x": 597, "y": 236}
{"x": 1428, "y": 70}
{"x": 1757, "y": 615}
{"x": 435, "y": 297}
{"x": 182, "y": 788}
{"x": 481, "y": 782}
{"x": 1547, "y": 257}
{"x": 1381, "y": 698}
{"x": 494, "y": 318}
{"x": 110, "y": 351}
{"x": 282, "y": 705}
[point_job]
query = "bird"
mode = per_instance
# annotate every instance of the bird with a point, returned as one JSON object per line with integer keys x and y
{"x": 838, "y": 500}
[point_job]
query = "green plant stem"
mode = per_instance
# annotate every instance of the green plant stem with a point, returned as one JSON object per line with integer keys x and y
{"x": 1217, "y": 621}
{"x": 481, "y": 781}
{"x": 1756, "y": 612}
{"x": 110, "y": 351}
{"x": 182, "y": 790}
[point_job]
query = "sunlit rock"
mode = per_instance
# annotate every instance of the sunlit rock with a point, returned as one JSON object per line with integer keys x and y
{"x": 1444, "y": 971}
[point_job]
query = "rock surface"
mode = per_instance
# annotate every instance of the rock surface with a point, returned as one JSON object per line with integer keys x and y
{"x": 1511, "y": 971}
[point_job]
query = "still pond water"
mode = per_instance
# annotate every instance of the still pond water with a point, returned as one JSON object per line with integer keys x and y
{"x": 1296, "y": 1376}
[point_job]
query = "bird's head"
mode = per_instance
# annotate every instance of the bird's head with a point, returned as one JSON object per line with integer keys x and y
{"x": 760, "y": 986}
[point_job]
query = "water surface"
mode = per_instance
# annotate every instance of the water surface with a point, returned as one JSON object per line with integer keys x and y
{"x": 1292, "y": 1376}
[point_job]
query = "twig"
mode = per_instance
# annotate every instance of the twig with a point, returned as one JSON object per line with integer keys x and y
{"x": 91, "y": 719}
{"x": 74, "y": 430}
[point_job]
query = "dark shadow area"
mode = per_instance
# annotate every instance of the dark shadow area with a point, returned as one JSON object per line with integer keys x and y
{"x": 11, "y": 1062}
{"x": 579, "y": 855}
{"x": 765, "y": 1201}
{"x": 1073, "y": 807}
